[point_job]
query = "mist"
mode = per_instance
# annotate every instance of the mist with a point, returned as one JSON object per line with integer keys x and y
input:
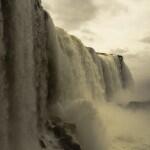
{"x": 139, "y": 66}
{"x": 107, "y": 126}
{"x": 126, "y": 129}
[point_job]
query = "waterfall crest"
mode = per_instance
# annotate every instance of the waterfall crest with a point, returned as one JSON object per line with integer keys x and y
{"x": 85, "y": 81}
{"x": 85, "y": 74}
{"x": 42, "y": 68}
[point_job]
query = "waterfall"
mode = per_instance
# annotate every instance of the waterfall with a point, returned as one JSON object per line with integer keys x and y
{"x": 23, "y": 75}
{"x": 44, "y": 72}
{"x": 86, "y": 80}
{"x": 85, "y": 74}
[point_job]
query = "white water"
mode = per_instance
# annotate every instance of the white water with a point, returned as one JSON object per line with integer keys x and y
{"x": 108, "y": 127}
{"x": 86, "y": 82}
{"x": 126, "y": 129}
{"x": 18, "y": 95}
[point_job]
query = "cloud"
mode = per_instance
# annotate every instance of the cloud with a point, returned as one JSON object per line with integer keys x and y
{"x": 114, "y": 7}
{"x": 119, "y": 51}
{"x": 87, "y": 31}
{"x": 139, "y": 65}
{"x": 146, "y": 40}
{"x": 72, "y": 13}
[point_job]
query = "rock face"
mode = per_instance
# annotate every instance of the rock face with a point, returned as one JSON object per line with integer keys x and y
{"x": 135, "y": 105}
{"x": 41, "y": 65}
{"x": 64, "y": 132}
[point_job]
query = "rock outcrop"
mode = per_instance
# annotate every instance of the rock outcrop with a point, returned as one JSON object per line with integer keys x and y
{"x": 64, "y": 135}
{"x": 136, "y": 105}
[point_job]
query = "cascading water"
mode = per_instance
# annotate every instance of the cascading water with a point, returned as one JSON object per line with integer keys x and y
{"x": 95, "y": 76}
{"x": 46, "y": 72}
{"x": 86, "y": 81}
{"x": 20, "y": 66}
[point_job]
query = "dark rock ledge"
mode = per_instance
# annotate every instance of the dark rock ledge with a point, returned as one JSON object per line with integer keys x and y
{"x": 135, "y": 105}
{"x": 64, "y": 134}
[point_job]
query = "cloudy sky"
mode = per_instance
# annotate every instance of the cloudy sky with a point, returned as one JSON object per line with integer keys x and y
{"x": 115, "y": 26}
{"x": 104, "y": 24}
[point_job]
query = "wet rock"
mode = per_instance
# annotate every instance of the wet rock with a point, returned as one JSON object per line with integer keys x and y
{"x": 139, "y": 105}
{"x": 42, "y": 143}
{"x": 64, "y": 132}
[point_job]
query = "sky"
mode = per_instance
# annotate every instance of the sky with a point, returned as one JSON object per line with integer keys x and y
{"x": 112, "y": 26}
